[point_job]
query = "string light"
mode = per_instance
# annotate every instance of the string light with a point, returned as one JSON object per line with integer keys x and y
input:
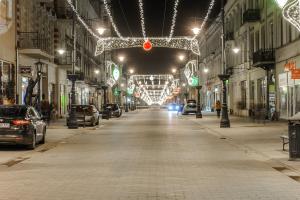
{"x": 161, "y": 88}
{"x": 291, "y": 13}
{"x": 211, "y": 6}
{"x": 81, "y": 20}
{"x": 175, "y": 11}
{"x": 141, "y": 6}
{"x": 107, "y": 44}
{"x": 111, "y": 19}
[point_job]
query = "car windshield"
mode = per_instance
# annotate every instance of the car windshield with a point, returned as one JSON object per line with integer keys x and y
{"x": 13, "y": 112}
{"x": 113, "y": 106}
{"x": 84, "y": 109}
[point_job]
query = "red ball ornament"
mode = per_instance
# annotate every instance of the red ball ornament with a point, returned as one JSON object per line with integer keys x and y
{"x": 147, "y": 45}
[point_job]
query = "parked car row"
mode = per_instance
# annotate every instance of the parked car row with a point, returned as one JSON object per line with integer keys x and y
{"x": 23, "y": 125}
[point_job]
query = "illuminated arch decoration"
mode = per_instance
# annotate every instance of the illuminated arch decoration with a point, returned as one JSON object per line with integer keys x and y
{"x": 190, "y": 72}
{"x": 185, "y": 43}
{"x": 114, "y": 73}
{"x": 291, "y": 12}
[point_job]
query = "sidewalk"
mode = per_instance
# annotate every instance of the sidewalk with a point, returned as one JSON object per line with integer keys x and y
{"x": 261, "y": 141}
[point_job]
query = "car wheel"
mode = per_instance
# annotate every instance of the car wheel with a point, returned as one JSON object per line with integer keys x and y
{"x": 44, "y": 137}
{"x": 33, "y": 142}
{"x": 93, "y": 122}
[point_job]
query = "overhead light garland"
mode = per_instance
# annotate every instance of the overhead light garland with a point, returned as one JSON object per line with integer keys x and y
{"x": 141, "y": 6}
{"x": 291, "y": 13}
{"x": 107, "y": 44}
{"x": 107, "y": 9}
{"x": 175, "y": 11}
{"x": 210, "y": 8}
{"x": 81, "y": 20}
{"x": 160, "y": 89}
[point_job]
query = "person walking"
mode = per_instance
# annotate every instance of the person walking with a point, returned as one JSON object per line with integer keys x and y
{"x": 45, "y": 108}
{"x": 218, "y": 108}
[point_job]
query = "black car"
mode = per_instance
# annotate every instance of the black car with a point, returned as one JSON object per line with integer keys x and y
{"x": 20, "y": 124}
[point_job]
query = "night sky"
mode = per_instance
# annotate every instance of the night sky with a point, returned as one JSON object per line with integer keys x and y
{"x": 158, "y": 60}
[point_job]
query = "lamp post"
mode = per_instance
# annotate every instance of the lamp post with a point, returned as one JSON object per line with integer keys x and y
{"x": 225, "y": 122}
{"x": 72, "y": 123}
{"x": 39, "y": 67}
{"x": 196, "y": 32}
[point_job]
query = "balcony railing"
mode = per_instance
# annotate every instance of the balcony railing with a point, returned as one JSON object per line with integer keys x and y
{"x": 264, "y": 58}
{"x": 251, "y": 15}
{"x": 34, "y": 40}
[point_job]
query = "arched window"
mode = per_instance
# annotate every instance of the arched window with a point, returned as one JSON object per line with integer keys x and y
{"x": 5, "y": 15}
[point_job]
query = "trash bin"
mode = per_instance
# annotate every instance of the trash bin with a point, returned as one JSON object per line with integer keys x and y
{"x": 294, "y": 137}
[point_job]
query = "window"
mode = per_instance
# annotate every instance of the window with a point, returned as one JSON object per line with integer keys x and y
{"x": 243, "y": 103}
{"x": 5, "y": 15}
{"x": 261, "y": 93}
{"x": 252, "y": 91}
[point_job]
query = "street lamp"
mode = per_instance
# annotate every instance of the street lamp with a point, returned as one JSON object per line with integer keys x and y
{"x": 101, "y": 30}
{"x": 181, "y": 57}
{"x": 61, "y": 51}
{"x": 174, "y": 70}
{"x": 97, "y": 71}
{"x": 131, "y": 71}
{"x": 39, "y": 66}
{"x": 205, "y": 70}
{"x": 236, "y": 50}
{"x": 225, "y": 122}
{"x": 196, "y": 31}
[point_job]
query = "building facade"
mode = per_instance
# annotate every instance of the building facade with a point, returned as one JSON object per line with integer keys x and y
{"x": 32, "y": 33}
{"x": 259, "y": 43}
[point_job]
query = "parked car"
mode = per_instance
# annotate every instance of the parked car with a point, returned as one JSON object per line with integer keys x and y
{"x": 173, "y": 107}
{"x": 190, "y": 107}
{"x": 20, "y": 124}
{"x": 115, "y": 110}
{"x": 86, "y": 115}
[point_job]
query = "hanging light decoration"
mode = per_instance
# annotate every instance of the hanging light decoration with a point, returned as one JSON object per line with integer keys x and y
{"x": 175, "y": 11}
{"x": 147, "y": 45}
{"x": 107, "y": 44}
{"x": 291, "y": 13}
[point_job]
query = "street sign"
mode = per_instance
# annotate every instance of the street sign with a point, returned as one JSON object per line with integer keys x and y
{"x": 296, "y": 74}
{"x": 25, "y": 70}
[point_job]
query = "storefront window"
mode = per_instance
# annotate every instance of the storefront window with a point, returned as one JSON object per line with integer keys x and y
{"x": 297, "y": 97}
{"x": 261, "y": 92}
{"x": 6, "y": 83}
{"x": 283, "y": 102}
{"x": 24, "y": 87}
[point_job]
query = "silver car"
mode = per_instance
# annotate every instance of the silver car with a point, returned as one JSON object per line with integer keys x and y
{"x": 190, "y": 108}
{"x": 86, "y": 115}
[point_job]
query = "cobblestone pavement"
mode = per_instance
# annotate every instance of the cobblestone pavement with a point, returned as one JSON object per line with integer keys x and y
{"x": 152, "y": 155}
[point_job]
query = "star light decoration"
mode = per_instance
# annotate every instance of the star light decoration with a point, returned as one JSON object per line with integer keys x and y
{"x": 291, "y": 11}
{"x": 186, "y": 43}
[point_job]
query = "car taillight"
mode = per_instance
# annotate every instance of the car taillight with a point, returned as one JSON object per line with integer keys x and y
{"x": 20, "y": 122}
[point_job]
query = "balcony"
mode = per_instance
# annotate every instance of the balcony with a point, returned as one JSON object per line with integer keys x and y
{"x": 35, "y": 45}
{"x": 251, "y": 15}
{"x": 264, "y": 58}
{"x": 63, "y": 13}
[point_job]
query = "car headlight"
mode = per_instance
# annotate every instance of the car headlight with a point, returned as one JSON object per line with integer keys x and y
{"x": 170, "y": 108}
{"x": 177, "y": 107}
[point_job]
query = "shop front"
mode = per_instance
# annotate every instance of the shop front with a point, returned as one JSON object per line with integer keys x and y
{"x": 7, "y": 83}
